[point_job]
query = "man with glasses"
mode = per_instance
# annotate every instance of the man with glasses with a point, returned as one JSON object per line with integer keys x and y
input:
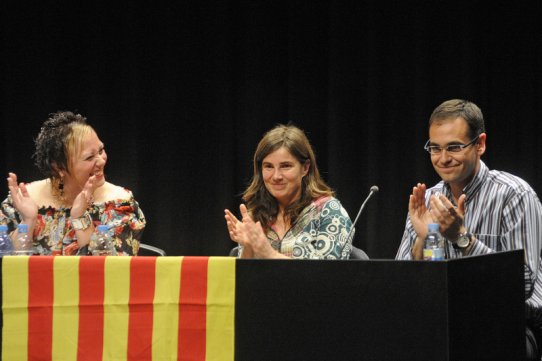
{"x": 479, "y": 211}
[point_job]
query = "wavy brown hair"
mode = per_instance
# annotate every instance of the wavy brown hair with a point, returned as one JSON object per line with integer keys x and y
{"x": 260, "y": 203}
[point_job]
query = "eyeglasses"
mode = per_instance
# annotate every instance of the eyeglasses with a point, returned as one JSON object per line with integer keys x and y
{"x": 451, "y": 148}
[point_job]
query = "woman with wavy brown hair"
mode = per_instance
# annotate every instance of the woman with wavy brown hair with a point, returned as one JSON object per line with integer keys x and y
{"x": 290, "y": 211}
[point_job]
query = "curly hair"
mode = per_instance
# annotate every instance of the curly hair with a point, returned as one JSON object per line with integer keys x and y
{"x": 57, "y": 138}
{"x": 261, "y": 204}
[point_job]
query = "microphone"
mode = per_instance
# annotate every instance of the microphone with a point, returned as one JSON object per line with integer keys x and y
{"x": 373, "y": 190}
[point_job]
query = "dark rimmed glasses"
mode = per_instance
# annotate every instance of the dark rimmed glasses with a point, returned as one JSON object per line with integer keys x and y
{"x": 450, "y": 148}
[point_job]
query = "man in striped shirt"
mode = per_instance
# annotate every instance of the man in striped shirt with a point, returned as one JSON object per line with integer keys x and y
{"x": 479, "y": 210}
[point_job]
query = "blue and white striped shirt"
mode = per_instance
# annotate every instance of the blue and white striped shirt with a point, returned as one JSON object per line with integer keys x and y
{"x": 504, "y": 213}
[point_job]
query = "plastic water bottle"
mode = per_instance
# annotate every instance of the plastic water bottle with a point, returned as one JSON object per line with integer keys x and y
{"x": 101, "y": 243}
{"x": 433, "y": 245}
{"x": 6, "y": 248}
{"x": 23, "y": 243}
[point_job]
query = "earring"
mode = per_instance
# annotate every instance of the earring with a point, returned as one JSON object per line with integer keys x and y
{"x": 61, "y": 188}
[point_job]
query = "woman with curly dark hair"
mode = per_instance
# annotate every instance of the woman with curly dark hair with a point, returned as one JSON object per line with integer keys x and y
{"x": 290, "y": 211}
{"x": 63, "y": 210}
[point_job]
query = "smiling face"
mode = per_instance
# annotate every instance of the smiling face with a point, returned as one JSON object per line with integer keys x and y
{"x": 459, "y": 168}
{"x": 282, "y": 174}
{"x": 87, "y": 159}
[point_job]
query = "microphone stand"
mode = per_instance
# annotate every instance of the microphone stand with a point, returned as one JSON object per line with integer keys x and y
{"x": 374, "y": 189}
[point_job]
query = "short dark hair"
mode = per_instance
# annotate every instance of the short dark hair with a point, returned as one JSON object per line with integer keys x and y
{"x": 455, "y": 108}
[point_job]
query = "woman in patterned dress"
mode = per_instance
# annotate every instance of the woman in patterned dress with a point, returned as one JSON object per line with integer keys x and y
{"x": 290, "y": 211}
{"x": 63, "y": 210}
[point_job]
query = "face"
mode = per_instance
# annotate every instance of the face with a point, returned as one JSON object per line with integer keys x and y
{"x": 455, "y": 168}
{"x": 90, "y": 161}
{"x": 282, "y": 175}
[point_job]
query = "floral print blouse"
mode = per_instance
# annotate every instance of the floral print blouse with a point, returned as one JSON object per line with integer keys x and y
{"x": 54, "y": 235}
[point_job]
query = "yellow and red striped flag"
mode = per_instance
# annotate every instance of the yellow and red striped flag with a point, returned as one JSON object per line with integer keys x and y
{"x": 118, "y": 308}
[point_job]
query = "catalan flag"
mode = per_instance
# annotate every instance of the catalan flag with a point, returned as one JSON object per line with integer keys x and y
{"x": 118, "y": 308}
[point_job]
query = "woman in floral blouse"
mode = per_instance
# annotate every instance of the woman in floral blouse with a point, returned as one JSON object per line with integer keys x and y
{"x": 63, "y": 210}
{"x": 290, "y": 211}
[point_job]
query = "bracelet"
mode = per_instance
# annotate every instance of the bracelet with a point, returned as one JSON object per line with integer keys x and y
{"x": 82, "y": 223}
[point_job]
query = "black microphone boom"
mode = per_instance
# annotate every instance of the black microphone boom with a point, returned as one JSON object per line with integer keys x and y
{"x": 374, "y": 189}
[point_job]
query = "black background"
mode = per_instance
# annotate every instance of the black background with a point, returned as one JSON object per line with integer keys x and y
{"x": 181, "y": 92}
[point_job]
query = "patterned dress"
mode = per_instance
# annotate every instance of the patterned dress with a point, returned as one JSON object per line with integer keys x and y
{"x": 320, "y": 232}
{"x": 54, "y": 235}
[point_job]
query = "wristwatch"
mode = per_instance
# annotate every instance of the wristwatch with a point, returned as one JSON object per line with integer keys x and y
{"x": 82, "y": 223}
{"x": 463, "y": 241}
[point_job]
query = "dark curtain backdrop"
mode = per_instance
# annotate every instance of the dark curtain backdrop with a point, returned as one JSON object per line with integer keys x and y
{"x": 181, "y": 93}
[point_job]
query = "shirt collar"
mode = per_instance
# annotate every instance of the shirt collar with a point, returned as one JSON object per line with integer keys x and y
{"x": 475, "y": 183}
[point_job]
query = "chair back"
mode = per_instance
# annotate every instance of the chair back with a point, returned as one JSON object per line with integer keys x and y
{"x": 358, "y": 253}
{"x": 234, "y": 252}
{"x": 148, "y": 250}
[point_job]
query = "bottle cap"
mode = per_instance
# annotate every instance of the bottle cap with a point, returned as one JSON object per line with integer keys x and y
{"x": 103, "y": 228}
{"x": 433, "y": 227}
{"x": 22, "y": 228}
{"x": 3, "y": 228}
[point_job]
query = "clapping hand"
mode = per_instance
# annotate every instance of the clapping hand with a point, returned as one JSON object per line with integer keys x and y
{"x": 84, "y": 199}
{"x": 249, "y": 234}
{"x": 420, "y": 216}
{"x": 231, "y": 221}
{"x": 442, "y": 211}
{"x": 449, "y": 218}
{"x": 21, "y": 200}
